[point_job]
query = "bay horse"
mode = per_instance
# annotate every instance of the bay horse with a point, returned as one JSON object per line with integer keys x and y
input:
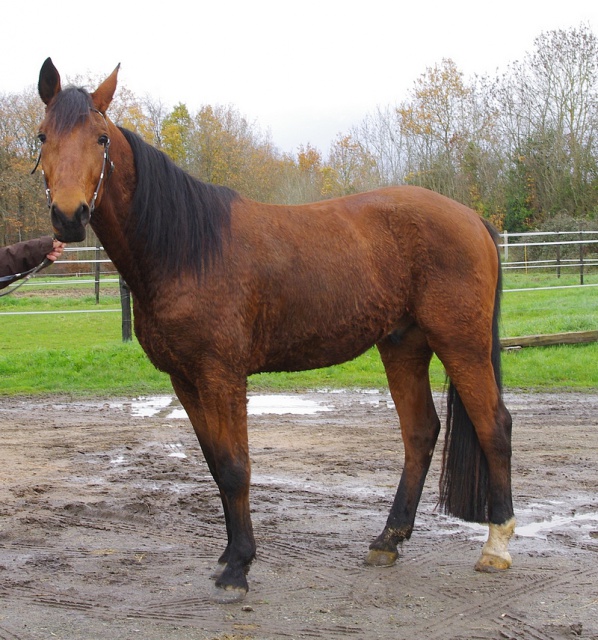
{"x": 224, "y": 287}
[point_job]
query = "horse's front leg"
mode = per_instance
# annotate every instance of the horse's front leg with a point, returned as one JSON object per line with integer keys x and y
{"x": 218, "y": 412}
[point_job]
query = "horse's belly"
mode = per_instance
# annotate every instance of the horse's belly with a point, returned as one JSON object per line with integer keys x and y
{"x": 316, "y": 350}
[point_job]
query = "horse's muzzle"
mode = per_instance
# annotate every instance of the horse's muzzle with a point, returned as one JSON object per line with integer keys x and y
{"x": 70, "y": 228}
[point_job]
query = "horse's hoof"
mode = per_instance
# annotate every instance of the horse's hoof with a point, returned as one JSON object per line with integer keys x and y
{"x": 491, "y": 563}
{"x": 227, "y": 595}
{"x": 220, "y": 567}
{"x": 380, "y": 558}
{"x": 230, "y": 586}
{"x": 495, "y": 556}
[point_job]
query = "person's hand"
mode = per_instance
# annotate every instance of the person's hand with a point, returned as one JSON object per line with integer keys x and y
{"x": 57, "y": 249}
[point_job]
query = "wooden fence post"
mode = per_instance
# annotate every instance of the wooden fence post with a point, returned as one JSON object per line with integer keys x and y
{"x": 97, "y": 272}
{"x": 580, "y": 258}
{"x": 125, "y": 303}
{"x": 558, "y": 256}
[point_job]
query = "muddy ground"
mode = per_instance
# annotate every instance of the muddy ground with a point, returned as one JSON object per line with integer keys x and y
{"x": 110, "y": 526}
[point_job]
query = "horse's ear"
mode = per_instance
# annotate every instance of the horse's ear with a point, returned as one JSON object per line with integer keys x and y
{"x": 102, "y": 96}
{"x": 49, "y": 81}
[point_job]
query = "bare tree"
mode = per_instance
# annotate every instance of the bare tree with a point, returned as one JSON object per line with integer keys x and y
{"x": 549, "y": 119}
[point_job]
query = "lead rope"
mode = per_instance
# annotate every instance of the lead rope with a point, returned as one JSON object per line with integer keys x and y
{"x": 25, "y": 275}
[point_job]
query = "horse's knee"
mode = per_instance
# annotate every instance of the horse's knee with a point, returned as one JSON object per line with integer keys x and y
{"x": 233, "y": 477}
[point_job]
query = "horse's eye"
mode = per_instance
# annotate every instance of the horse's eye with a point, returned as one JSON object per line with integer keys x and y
{"x": 41, "y": 137}
{"x": 103, "y": 140}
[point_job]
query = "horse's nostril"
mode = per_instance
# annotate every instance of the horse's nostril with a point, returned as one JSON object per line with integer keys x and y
{"x": 82, "y": 214}
{"x": 56, "y": 215}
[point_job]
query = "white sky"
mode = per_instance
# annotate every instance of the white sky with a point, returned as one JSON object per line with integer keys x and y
{"x": 303, "y": 71}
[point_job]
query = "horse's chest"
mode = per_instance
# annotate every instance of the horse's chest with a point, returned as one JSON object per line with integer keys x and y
{"x": 157, "y": 341}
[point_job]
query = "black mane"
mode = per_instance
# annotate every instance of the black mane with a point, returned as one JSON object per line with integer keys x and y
{"x": 175, "y": 217}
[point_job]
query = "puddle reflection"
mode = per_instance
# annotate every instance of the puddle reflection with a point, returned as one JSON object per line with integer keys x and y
{"x": 150, "y": 406}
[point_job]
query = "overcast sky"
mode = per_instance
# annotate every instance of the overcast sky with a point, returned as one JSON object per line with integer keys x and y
{"x": 303, "y": 71}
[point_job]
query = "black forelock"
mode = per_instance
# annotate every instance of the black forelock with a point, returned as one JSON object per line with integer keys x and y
{"x": 69, "y": 108}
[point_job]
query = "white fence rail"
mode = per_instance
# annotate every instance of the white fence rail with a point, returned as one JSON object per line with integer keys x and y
{"x": 87, "y": 275}
{"x": 554, "y": 248}
{"x": 515, "y": 252}
{"x": 91, "y": 276}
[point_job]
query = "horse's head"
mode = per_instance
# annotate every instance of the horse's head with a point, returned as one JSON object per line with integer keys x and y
{"x": 75, "y": 141}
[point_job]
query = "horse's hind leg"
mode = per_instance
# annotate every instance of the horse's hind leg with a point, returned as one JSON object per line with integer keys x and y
{"x": 479, "y": 492}
{"x": 406, "y": 361}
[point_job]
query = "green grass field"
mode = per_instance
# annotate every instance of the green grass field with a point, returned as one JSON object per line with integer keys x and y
{"x": 83, "y": 354}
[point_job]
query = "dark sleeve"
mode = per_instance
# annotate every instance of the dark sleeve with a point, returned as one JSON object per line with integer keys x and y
{"x": 23, "y": 256}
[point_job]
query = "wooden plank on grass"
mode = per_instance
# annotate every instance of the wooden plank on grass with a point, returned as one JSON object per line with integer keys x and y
{"x": 571, "y": 337}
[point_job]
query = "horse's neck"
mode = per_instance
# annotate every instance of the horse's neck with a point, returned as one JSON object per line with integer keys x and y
{"x": 115, "y": 251}
{"x": 109, "y": 224}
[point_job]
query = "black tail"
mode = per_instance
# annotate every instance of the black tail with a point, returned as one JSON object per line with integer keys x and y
{"x": 464, "y": 479}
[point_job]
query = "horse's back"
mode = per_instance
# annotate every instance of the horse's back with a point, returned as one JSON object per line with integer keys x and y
{"x": 399, "y": 211}
{"x": 376, "y": 238}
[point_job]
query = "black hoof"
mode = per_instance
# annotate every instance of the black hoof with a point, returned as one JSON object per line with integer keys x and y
{"x": 233, "y": 581}
{"x": 228, "y": 595}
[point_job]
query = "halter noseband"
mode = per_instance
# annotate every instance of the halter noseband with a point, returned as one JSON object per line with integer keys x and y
{"x": 105, "y": 161}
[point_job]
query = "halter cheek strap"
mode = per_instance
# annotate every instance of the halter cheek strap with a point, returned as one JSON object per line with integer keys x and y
{"x": 106, "y": 161}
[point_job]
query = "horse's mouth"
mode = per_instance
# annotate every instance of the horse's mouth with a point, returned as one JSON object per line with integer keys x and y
{"x": 70, "y": 229}
{"x": 76, "y": 233}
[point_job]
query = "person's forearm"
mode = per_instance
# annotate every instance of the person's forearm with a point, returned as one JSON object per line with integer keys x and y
{"x": 23, "y": 256}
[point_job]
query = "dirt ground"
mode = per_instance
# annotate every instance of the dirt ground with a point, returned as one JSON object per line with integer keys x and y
{"x": 110, "y": 526}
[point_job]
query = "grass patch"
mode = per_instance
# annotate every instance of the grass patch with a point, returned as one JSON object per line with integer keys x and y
{"x": 542, "y": 312}
{"x": 82, "y": 353}
{"x": 533, "y": 278}
{"x": 545, "y": 368}
{"x": 111, "y": 369}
